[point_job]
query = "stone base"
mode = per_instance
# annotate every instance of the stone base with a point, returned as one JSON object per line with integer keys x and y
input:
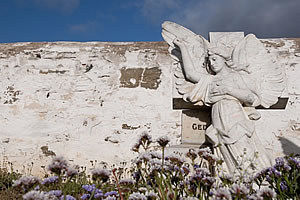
{"x": 183, "y": 148}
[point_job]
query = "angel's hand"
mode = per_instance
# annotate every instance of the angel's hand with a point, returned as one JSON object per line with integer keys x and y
{"x": 216, "y": 89}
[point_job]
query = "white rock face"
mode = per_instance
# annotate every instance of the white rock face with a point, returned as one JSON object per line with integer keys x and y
{"x": 90, "y": 101}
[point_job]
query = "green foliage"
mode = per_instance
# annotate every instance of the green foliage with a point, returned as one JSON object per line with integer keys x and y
{"x": 7, "y": 178}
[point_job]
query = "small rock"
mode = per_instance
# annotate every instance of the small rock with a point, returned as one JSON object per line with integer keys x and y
{"x": 5, "y": 140}
{"x": 112, "y": 139}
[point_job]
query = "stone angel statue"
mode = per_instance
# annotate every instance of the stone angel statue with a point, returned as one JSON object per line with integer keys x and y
{"x": 232, "y": 82}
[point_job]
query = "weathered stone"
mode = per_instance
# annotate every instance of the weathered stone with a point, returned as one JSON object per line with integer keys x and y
{"x": 47, "y": 152}
{"x": 138, "y": 77}
{"x": 194, "y": 124}
{"x": 75, "y": 111}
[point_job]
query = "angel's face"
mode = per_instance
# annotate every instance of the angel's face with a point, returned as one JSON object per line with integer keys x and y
{"x": 216, "y": 63}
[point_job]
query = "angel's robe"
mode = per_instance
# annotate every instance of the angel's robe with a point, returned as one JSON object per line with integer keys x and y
{"x": 231, "y": 130}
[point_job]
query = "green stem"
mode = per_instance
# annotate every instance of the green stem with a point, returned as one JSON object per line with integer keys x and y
{"x": 163, "y": 158}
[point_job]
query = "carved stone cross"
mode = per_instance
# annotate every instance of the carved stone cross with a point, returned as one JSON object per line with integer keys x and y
{"x": 195, "y": 119}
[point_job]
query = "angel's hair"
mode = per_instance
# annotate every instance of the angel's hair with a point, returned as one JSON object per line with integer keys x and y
{"x": 220, "y": 52}
{"x": 228, "y": 60}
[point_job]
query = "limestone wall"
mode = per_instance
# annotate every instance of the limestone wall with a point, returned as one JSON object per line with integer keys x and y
{"x": 90, "y": 101}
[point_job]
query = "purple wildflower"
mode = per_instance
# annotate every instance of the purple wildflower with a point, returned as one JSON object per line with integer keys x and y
{"x": 136, "y": 176}
{"x": 71, "y": 172}
{"x": 264, "y": 172}
{"x": 209, "y": 157}
{"x": 110, "y": 198}
{"x": 85, "y": 196}
{"x": 163, "y": 141}
{"x": 56, "y": 193}
{"x": 127, "y": 182}
{"x": 58, "y": 164}
{"x": 196, "y": 166}
{"x": 137, "y": 196}
{"x": 191, "y": 154}
{"x": 111, "y": 193}
{"x": 98, "y": 194}
{"x": 222, "y": 193}
{"x": 89, "y": 188}
{"x": 294, "y": 161}
{"x": 38, "y": 195}
{"x": 274, "y": 171}
{"x": 266, "y": 193}
{"x": 277, "y": 173}
{"x": 155, "y": 161}
{"x": 49, "y": 180}
{"x": 286, "y": 167}
{"x": 26, "y": 182}
{"x": 143, "y": 157}
{"x": 254, "y": 197}
{"x": 202, "y": 171}
{"x": 185, "y": 170}
{"x": 283, "y": 186}
{"x": 37, "y": 188}
{"x": 67, "y": 197}
{"x": 175, "y": 159}
{"x": 145, "y": 137}
{"x": 239, "y": 190}
{"x": 279, "y": 162}
{"x": 208, "y": 181}
{"x": 269, "y": 179}
{"x": 101, "y": 174}
{"x": 257, "y": 176}
{"x": 152, "y": 196}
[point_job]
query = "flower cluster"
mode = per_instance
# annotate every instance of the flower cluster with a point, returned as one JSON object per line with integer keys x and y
{"x": 27, "y": 182}
{"x": 50, "y": 180}
{"x": 101, "y": 175}
{"x": 37, "y": 195}
{"x": 67, "y": 197}
{"x": 57, "y": 165}
{"x": 163, "y": 141}
{"x": 57, "y": 193}
{"x": 193, "y": 175}
{"x": 111, "y": 194}
{"x": 144, "y": 140}
{"x": 93, "y": 192}
{"x": 137, "y": 196}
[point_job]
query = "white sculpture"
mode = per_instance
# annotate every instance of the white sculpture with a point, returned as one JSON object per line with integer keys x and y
{"x": 232, "y": 82}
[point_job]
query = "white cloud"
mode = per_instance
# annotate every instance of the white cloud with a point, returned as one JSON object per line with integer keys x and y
{"x": 84, "y": 27}
{"x": 266, "y": 18}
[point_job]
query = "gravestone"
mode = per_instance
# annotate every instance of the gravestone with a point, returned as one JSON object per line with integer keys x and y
{"x": 196, "y": 119}
{"x": 232, "y": 74}
{"x": 194, "y": 125}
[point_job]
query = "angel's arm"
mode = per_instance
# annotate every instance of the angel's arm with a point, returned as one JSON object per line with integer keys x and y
{"x": 188, "y": 66}
{"x": 243, "y": 95}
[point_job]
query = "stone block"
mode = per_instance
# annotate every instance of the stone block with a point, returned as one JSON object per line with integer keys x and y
{"x": 194, "y": 124}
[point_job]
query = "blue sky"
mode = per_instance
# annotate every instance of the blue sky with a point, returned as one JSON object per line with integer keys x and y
{"x": 140, "y": 20}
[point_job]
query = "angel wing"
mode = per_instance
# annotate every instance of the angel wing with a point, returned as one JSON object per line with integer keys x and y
{"x": 197, "y": 47}
{"x": 250, "y": 52}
